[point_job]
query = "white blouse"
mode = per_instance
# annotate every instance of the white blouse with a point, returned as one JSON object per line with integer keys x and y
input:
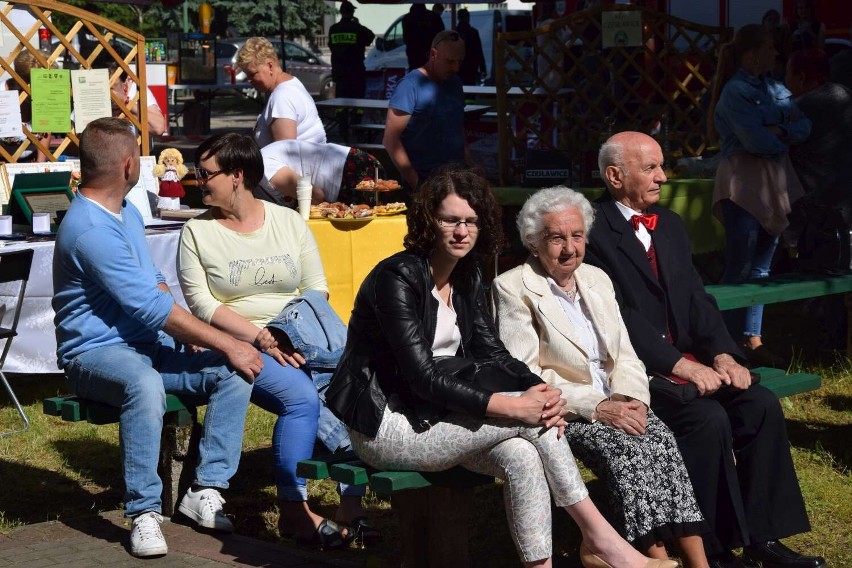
{"x": 589, "y": 337}
{"x": 447, "y": 334}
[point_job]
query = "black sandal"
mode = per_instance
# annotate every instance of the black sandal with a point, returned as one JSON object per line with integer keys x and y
{"x": 328, "y": 536}
{"x": 363, "y": 532}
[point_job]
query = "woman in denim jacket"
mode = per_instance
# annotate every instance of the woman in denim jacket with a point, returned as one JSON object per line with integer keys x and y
{"x": 756, "y": 120}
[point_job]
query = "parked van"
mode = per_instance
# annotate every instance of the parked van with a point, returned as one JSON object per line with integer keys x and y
{"x": 389, "y": 50}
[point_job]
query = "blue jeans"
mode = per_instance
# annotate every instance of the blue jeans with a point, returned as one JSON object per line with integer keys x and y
{"x": 748, "y": 254}
{"x": 136, "y": 378}
{"x": 290, "y": 394}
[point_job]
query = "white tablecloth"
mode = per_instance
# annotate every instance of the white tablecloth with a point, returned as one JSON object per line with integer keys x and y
{"x": 34, "y": 349}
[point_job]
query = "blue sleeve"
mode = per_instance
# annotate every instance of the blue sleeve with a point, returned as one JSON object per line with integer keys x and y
{"x": 117, "y": 270}
{"x": 403, "y": 98}
{"x": 740, "y": 111}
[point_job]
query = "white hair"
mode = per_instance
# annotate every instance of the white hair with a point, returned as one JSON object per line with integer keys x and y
{"x": 610, "y": 154}
{"x": 551, "y": 200}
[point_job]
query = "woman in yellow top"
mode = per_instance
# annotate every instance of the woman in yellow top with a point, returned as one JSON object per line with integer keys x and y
{"x": 239, "y": 264}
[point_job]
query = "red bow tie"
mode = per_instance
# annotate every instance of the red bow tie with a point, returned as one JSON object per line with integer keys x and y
{"x": 647, "y": 219}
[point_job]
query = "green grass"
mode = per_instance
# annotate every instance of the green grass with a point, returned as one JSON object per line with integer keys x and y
{"x": 60, "y": 470}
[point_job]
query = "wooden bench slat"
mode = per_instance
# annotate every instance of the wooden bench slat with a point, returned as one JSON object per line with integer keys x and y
{"x": 387, "y": 482}
{"x": 312, "y": 469}
{"x": 74, "y": 409}
{"x": 350, "y": 473}
{"x": 775, "y": 289}
{"x": 788, "y": 385}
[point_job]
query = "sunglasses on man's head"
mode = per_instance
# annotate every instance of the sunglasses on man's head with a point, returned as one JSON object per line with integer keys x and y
{"x": 454, "y": 36}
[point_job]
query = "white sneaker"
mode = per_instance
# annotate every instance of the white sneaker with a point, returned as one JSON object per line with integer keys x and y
{"x": 146, "y": 539}
{"x": 205, "y": 508}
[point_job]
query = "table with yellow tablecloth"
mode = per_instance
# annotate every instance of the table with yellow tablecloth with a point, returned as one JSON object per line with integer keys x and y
{"x": 350, "y": 250}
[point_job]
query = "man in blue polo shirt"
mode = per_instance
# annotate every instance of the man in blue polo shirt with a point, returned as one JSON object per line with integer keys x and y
{"x": 425, "y": 123}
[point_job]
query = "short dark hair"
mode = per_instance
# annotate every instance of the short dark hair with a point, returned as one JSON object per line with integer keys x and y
{"x": 234, "y": 151}
{"x": 463, "y": 15}
{"x": 423, "y": 230}
{"x": 103, "y": 144}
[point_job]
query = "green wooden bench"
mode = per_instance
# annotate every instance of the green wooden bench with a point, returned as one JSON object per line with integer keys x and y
{"x": 434, "y": 508}
{"x": 178, "y": 441}
{"x": 784, "y": 288}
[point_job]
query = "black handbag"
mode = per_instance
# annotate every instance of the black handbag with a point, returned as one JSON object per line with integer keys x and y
{"x": 663, "y": 388}
{"x": 490, "y": 376}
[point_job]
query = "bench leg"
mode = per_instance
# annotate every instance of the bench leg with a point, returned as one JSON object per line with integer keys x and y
{"x": 178, "y": 456}
{"x": 434, "y": 526}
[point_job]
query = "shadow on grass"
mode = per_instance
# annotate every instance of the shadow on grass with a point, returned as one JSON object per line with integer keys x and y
{"x": 824, "y": 437}
{"x": 96, "y": 461}
{"x": 35, "y": 495}
{"x": 838, "y": 403}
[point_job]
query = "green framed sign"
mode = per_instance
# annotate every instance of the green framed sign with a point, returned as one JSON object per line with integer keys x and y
{"x": 47, "y": 192}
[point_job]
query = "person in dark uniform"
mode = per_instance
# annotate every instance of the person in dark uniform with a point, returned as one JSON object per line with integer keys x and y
{"x": 419, "y": 26}
{"x": 473, "y": 66}
{"x": 347, "y": 40}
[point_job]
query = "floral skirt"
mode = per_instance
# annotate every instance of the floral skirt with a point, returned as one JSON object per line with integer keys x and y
{"x": 359, "y": 165}
{"x": 647, "y": 484}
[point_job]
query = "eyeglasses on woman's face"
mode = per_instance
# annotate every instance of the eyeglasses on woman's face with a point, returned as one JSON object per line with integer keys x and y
{"x": 453, "y": 223}
{"x": 203, "y": 176}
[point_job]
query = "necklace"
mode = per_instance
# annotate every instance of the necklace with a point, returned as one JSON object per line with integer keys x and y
{"x": 572, "y": 291}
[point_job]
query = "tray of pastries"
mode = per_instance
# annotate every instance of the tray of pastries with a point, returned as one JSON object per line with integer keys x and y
{"x": 369, "y": 184}
{"x": 338, "y": 211}
{"x": 391, "y": 209}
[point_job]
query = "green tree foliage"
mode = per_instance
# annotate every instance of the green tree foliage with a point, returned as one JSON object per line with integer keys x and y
{"x": 249, "y": 18}
{"x": 138, "y": 18}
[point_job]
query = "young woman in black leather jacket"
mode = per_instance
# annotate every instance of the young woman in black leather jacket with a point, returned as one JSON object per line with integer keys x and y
{"x": 404, "y": 412}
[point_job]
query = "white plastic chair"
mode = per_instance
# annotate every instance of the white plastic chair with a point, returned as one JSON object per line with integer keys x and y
{"x": 14, "y": 267}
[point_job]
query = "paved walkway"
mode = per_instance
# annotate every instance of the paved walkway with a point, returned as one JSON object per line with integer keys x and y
{"x": 103, "y": 541}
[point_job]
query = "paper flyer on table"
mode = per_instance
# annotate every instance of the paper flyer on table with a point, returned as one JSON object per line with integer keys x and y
{"x": 90, "y": 88}
{"x": 146, "y": 189}
{"x": 10, "y": 115}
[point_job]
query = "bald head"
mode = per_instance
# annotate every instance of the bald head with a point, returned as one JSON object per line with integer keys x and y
{"x": 445, "y": 57}
{"x": 108, "y": 153}
{"x": 631, "y": 165}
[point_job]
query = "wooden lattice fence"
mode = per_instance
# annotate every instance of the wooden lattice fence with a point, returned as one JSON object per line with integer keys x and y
{"x": 97, "y": 52}
{"x": 572, "y": 93}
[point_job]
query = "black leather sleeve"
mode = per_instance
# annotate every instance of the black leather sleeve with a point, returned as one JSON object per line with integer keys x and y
{"x": 485, "y": 342}
{"x": 399, "y": 290}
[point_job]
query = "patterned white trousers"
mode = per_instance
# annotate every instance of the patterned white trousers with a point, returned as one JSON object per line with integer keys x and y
{"x": 534, "y": 464}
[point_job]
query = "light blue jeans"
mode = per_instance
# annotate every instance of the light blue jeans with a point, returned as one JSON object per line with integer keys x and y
{"x": 748, "y": 254}
{"x": 290, "y": 394}
{"x": 136, "y": 378}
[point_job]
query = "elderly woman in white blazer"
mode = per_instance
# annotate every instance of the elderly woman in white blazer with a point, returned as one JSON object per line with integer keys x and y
{"x": 561, "y": 318}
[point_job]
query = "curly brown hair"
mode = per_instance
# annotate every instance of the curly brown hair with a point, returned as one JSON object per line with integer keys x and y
{"x": 423, "y": 231}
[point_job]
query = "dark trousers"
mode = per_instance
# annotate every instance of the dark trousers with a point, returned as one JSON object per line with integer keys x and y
{"x": 351, "y": 85}
{"x": 735, "y": 447}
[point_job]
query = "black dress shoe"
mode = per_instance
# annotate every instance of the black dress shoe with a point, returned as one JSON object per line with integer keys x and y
{"x": 773, "y": 554}
{"x": 727, "y": 560}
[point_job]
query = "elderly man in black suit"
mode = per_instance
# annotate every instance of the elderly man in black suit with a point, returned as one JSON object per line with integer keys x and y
{"x": 731, "y": 433}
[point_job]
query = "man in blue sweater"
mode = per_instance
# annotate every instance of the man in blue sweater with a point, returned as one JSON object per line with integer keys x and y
{"x": 116, "y": 327}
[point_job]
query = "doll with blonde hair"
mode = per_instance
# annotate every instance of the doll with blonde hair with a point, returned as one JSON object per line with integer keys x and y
{"x": 170, "y": 170}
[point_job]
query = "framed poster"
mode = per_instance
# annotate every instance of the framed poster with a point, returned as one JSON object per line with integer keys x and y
{"x": 40, "y": 193}
{"x": 10, "y": 170}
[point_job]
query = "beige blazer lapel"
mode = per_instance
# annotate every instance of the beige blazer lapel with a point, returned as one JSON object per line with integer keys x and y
{"x": 548, "y": 306}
